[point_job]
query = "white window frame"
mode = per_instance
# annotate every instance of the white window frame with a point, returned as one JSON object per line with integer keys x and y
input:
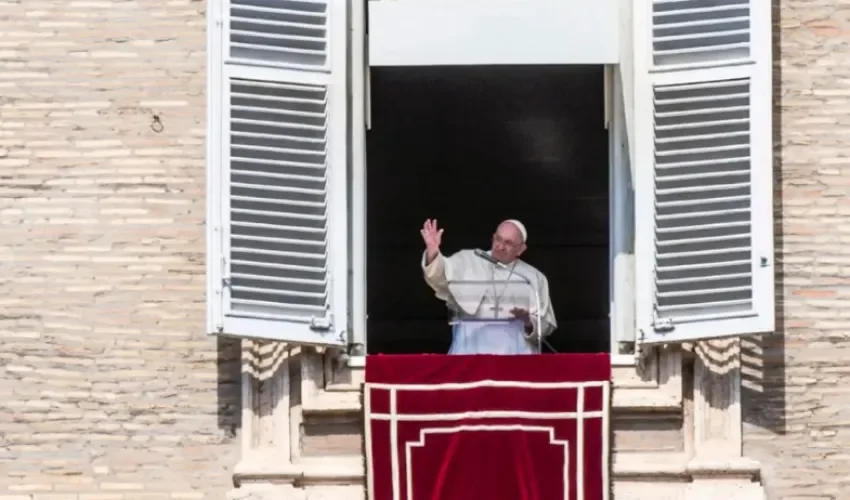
{"x": 621, "y": 221}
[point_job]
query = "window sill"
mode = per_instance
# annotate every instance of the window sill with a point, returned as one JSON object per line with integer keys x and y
{"x": 356, "y": 362}
{"x": 619, "y": 360}
{"x": 623, "y": 360}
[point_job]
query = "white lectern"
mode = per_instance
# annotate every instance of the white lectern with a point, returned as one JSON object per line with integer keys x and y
{"x": 482, "y": 321}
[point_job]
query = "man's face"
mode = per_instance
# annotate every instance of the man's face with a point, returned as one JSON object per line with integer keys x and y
{"x": 507, "y": 243}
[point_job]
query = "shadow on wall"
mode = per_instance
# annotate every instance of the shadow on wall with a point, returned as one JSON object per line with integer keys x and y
{"x": 763, "y": 358}
{"x": 229, "y": 386}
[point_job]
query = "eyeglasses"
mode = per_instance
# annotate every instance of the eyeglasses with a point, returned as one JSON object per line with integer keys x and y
{"x": 508, "y": 243}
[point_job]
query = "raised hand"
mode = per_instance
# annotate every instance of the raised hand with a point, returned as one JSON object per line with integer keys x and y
{"x": 432, "y": 236}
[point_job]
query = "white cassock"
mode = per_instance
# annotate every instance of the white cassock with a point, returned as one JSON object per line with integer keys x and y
{"x": 481, "y": 295}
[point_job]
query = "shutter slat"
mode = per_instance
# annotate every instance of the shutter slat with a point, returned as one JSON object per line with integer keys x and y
{"x": 270, "y": 123}
{"x": 692, "y": 36}
{"x": 276, "y": 241}
{"x": 235, "y": 159}
{"x": 702, "y": 163}
{"x": 278, "y": 198}
{"x": 739, "y": 121}
{"x": 703, "y": 22}
{"x": 262, "y": 304}
{"x": 702, "y": 176}
{"x": 240, "y": 262}
{"x": 704, "y": 227}
{"x": 279, "y": 291}
{"x": 275, "y": 36}
{"x": 663, "y": 206}
{"x": 677, "y": 114}
{"x": 279, "y": 32}
{"x": 276, "y": 279}
{"x": 704, "y": 292}
{"x": 286, "y": 256}
{"x": 695, "y": 32}
{"x": 696, "y": 51}
{"x": 301, "y": 154}
{"x": 707, "y": 305}
{"x": 279, "y": 189}
{"x": 255, "y": 306}
{"x": 272, "y": 175}
{"x": 705, "y": 213}
{"x": 715, "y": 251}
{"x": 699, "y": 279}
{"x": 271, "y": 111}
{"x": 295, "y": 229}
{"x": 702, "y": 266}
{"x": 704, "y": 137}
{"x": 697, "y": 151}
{"x": 294, "y": 203}
{"x": 276, "y": 214}
{"x": 699, "y": 189}
{"x": 282, "y": 25}
{"x": 284, "y": 51}
{"x": 697, "y": 241}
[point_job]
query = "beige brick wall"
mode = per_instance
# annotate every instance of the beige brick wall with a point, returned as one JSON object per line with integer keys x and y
{"x": 109, "y": 387}
{"x": 797, "y": 388}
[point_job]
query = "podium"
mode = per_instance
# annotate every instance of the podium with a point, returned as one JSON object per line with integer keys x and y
{"x": 483, "y": 321}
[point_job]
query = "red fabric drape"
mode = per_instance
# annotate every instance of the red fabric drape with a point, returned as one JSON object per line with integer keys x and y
{"x": 487, "y": 427}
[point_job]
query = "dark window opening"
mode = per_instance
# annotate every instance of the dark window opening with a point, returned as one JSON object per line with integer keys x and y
{"x": 471, "y": 146}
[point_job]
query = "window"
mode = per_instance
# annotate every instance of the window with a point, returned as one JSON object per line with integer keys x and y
{"x": 472, "y": 146}
{"x": 690, "y": 198}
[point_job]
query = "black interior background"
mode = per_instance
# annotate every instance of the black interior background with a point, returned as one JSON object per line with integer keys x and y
{"x": 471, "y": 146}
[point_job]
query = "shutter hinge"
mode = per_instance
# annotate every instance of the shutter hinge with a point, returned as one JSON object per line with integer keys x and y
{"x": 225, "y": 276}
{"x": 662, "y": 325}
{"x": 323, "y": 323}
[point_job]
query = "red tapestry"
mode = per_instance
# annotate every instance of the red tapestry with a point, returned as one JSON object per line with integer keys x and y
{"x": 488, "y": 427}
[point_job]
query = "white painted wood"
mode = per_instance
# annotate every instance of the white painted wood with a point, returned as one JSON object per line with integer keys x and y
{"x": 621, "y": 210}
{"x": 214, "y": 236}
{"x": 625, "y": 72}
{"x": 703, "y": 162}
{"x": 278, "y": 242}
{"x": 484, "y": 32}
{"x": 359, "y": 102}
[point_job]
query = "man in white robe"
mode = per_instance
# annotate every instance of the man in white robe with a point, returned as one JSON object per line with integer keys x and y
{"x": 489, "y": 293}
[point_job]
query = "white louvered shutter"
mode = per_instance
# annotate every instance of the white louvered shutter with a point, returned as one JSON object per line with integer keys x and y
{"x": 703, "y": 161}
{"x": 279, "y": 168}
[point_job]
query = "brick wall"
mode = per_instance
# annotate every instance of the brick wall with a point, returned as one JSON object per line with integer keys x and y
{"x": 109, "y": 387}
{"x": 797, "y": 388}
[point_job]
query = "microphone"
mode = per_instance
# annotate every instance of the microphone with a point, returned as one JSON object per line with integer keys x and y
{"x": 486, "y": 256}
{"x": 489, "y": 258}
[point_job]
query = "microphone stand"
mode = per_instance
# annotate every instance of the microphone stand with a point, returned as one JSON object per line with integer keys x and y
{"x": 527, "y": 280}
